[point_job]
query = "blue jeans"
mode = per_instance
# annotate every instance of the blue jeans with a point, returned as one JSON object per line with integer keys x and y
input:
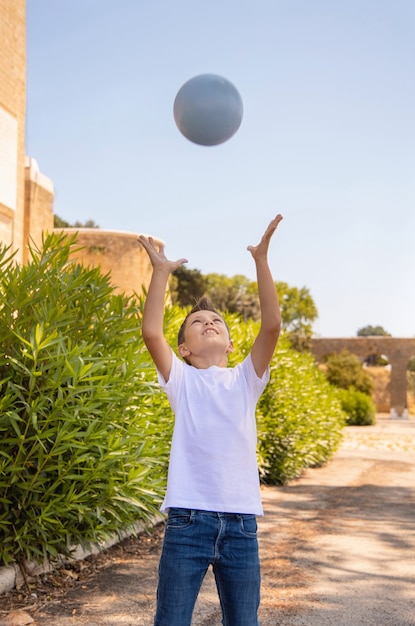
{"x": 194, "y": 540}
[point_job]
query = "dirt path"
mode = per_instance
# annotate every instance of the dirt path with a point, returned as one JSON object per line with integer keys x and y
{"x": 337, "y": 547}
{"x": 356, "y": 519}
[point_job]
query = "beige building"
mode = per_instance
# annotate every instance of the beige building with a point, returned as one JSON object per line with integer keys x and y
{"x": 26, "y": 196}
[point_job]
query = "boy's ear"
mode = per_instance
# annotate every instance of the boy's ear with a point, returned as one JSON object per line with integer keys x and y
{"x": 183, "y": 350}
{"x": 230, "y": 348}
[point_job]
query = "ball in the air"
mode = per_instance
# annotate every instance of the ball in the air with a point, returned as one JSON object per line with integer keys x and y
{"x": 208, "y": 109}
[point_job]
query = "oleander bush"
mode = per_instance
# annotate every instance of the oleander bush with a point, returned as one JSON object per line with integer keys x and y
{"x": 83, "y": 423}
{"x": 300, "y": 419}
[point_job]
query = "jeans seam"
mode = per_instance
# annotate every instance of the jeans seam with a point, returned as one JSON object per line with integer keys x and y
{"x": 218, "y": 539}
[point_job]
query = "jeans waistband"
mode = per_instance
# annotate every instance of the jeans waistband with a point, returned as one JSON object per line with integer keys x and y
{"x": 216, "y": 514}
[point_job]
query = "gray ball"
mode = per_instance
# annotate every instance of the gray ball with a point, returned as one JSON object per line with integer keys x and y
{"x": 208, "y": 110}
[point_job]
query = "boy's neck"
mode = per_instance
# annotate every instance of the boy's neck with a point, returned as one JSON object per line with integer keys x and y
{"x": 204, "y": 362}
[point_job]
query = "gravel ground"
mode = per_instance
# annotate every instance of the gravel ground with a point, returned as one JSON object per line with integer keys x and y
{"x": 361, "y": 551}
{"x": 337, "y": 547}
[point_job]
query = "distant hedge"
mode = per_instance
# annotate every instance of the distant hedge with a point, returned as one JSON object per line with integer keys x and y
{"x": 359, "y": 408}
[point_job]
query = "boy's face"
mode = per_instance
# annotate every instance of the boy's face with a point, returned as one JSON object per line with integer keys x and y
{"x": 205, "y": 333}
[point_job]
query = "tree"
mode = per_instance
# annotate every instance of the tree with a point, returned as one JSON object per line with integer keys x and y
{"x": 372, "y": 331}
{"x": 234, "y": 294}
{"x": 298, "y": 309}
{"x": 87, "y": 224}
{"x": 239, "y": 294}
{"x": 188, "y": 286}
{"x": 410, "y": 375}
{"x": 58, "y": 222}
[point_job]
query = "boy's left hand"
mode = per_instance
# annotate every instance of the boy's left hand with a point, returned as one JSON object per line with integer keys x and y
{"x": 262, "y": 248}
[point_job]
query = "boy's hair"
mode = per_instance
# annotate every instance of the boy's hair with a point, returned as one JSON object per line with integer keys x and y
{"x": 203, "y": 304}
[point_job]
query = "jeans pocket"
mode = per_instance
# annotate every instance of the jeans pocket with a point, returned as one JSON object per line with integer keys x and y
{"x": 249, "y": 525}
{"x": 178, "y": 519}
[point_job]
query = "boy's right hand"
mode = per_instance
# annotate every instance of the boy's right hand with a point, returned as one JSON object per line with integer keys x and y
{"x": 158, "y": 259}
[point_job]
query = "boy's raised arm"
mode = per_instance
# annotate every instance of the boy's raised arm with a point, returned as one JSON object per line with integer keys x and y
{"x": 153, "y": 315}
{"x": 266, "y": 340}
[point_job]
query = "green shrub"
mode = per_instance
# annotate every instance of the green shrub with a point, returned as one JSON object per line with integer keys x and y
{"x": 300, "y": 421}
{"x": 83, "y": 425}
{"x": 345, "y": 370}
{"x": 358, "y": 407}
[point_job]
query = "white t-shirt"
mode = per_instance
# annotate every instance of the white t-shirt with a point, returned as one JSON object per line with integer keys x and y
{"x": 213, "y": 464}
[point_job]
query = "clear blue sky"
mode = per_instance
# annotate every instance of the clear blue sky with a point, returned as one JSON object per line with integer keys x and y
{"x": 327, "y": 139}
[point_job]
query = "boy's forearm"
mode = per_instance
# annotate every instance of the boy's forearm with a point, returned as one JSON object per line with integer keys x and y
{"x": 153, "y": 315}
{"x": 268, "y": 297}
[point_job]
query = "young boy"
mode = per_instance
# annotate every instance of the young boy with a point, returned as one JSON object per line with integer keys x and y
{"x": 213, "y": 494}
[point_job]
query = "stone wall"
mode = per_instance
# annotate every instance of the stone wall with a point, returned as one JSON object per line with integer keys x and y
{"x": 117, "y": 253}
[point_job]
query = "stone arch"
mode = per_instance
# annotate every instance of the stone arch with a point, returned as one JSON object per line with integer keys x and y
{"x": 398, "y": 352}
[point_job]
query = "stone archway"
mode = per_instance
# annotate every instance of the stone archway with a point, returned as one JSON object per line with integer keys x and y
{"x": 398, "y": 351}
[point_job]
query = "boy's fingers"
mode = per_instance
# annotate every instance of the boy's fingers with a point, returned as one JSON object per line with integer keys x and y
{"x": 149, "y": 245}
{"x": 272, "y": 226}
{"x": 275, "y": 221}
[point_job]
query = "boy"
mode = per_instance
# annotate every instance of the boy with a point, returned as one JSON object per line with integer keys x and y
{"x": 213, "y": 494}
